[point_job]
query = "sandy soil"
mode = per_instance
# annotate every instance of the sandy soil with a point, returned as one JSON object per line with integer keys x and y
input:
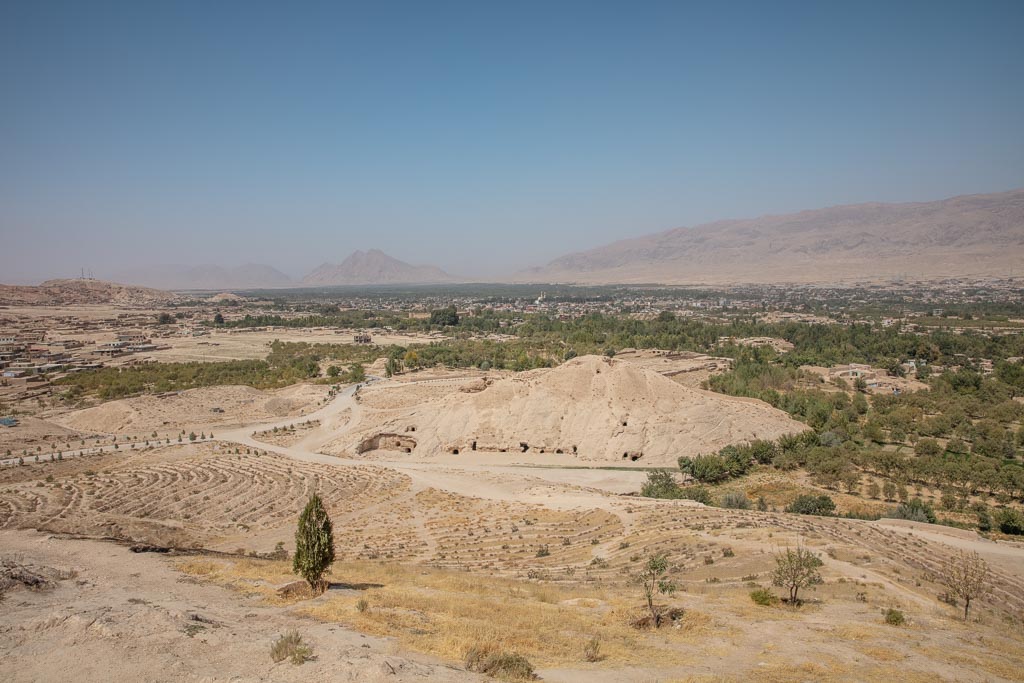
{"x": 686, "y": 368}
{"x": 194, "y": 409}
{"x": 485, "y": 520}
{"x": 590, "y": 409}
{"x": 32, "y": 432}
{"x": 127, "y": 616}
{"x": 483, "y": 515}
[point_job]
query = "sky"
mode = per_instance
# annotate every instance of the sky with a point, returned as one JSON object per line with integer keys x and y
{"x": 482, "y": 137}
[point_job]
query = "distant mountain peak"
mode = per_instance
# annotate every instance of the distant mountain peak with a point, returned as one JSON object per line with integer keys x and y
{"x": 967, "y": 236}
{"x": 374, "y": 267}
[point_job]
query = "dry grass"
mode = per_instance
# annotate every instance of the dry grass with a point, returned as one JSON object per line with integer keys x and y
{"x": 259, "y": 578}
{"x": 445, "y": 613}
{"x": 1008, "y": 666}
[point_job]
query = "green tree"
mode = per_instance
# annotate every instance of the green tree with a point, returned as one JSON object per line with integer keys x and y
{"x": 447, "y": 316}
{"x": 654, "y": 579}
{"x": 356, "y": 373}
{"x": 218, "y": 319}
{"x": 707, "y": 469}
{"x": 812, "y": 505}
{"x": 796, "y": 569}
{"x": 314, "y": 544}
{"x": 660, "y": 484}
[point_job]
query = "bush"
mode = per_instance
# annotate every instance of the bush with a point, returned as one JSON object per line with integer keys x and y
{"x": 763, "y": 597}
{"x": 362, "y": 605}
{"x": 894, "y": 617}
{"x": 696, "y": 493}
{"x": 488, "y": 659}
{"x": 660, "y": 484}
{"x": 813, "y": 505}
{"x": 914, "y": 510}
{"x": 707, "y": 469}
{"x": 290, "y": 646}
{"x": 736, "y": 500}
{"x": 1010, "y": 522}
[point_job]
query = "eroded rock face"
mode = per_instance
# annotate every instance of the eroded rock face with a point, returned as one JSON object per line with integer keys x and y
{"x": 387, "y": 442}
{"x": 591, "y": 408}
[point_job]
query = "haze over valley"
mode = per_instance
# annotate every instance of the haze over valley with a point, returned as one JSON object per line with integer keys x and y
{"x": 564, "y": 342}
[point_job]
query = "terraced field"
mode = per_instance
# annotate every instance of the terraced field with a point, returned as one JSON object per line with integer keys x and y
{"x": 208, "y": 495}
{"x": 186, "y": 496}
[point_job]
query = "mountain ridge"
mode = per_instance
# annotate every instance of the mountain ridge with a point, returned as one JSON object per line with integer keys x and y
{"x": 374, "y": 267}
{"x": 960, "y": 236}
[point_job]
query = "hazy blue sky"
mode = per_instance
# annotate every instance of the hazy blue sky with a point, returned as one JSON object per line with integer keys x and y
{"x": 479, "y": 136}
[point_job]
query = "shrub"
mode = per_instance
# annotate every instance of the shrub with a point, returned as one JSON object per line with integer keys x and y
{"x": 660, "y": 484}
{"x": 488, "y": 659}
{"x": 764, "y": 451}
{"x": 696, "y": 493}
{"x": 543, "y": 551}
{"x": 707, "y": 469}
{"x": 984, "y": 521}
{"x": 915, "y": 510}
{"x": 1010, "y": 521}
{"x": 763, "y": 597}
{"x": 592, "y": 650}
{"x": 894, "y": 617}
{"x": 290, "y": 646}
{"x": 314, "y": 544}
{"x": 813, "y": 505}
{"x": 362, "y": 605}
{"x": 737, "y": 500}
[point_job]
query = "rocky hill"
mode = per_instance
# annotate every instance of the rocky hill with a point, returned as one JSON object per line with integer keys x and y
{"x": 975, "y": 235}
{"x": 81, "y": 291}
{"x": 590, "y": 408}
{"x": 374, "y": 267}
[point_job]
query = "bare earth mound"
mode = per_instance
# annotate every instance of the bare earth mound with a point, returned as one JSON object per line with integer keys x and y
{"x": 593, "y": 408}
{"x": 194, "y": 408}
{"x": 64, "y": 292}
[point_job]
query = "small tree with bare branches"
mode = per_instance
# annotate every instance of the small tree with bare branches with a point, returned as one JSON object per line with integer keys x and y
{"x": 796, "y": 569}
{"x": 966, "y": 577}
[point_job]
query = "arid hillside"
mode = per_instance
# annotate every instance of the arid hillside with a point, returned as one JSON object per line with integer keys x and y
{"x": 976, "y": 235}
{"x": 193, "y": 409}
{"x": 591, "y": 408}
{"x": 81, "y": 291}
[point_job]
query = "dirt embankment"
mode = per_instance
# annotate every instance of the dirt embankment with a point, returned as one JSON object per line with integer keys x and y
{"x": 195, "y": 408}
{"x": 590, "y": 408}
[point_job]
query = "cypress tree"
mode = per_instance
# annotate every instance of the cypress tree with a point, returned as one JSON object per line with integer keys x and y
{"x": 314, "y": 544}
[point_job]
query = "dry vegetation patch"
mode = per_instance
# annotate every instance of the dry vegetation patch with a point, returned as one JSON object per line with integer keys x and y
{"x": 446, "y": 613}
